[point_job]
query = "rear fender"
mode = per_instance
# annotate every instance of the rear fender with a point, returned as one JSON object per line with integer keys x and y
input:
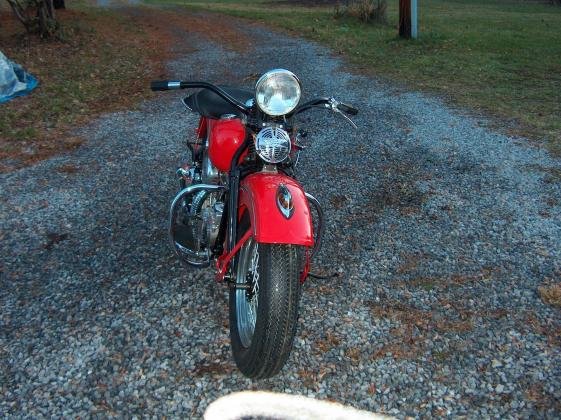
{"x": 258, "y": 196}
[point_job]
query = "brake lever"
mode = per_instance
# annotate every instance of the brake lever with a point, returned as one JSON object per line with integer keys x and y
{"x": 334, "y": 106}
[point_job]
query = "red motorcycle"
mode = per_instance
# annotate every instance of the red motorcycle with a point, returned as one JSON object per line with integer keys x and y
{"x": 241, "y": 208}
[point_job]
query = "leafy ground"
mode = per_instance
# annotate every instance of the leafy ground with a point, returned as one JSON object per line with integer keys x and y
{"x": 99, "y": 64}
{"x": 103, "y": 62}
{"x": 496, "y": 56}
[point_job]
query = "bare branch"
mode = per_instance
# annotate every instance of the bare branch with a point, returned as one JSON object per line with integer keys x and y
{"x": 19, "y": 12}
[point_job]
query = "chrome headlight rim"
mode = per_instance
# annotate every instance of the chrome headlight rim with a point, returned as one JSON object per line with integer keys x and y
{"x": 267, "y": 78}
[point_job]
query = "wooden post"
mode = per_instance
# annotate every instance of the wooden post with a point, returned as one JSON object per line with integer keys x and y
{"x": 405, "y": 18}
{"x": 414, "y": 20}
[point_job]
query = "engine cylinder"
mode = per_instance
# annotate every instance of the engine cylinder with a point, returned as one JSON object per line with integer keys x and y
{"x": 210, "y": 173}
{"x": 193, "y": 217}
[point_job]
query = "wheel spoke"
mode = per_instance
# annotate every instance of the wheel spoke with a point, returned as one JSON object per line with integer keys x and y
{"x": 247, "y": 303}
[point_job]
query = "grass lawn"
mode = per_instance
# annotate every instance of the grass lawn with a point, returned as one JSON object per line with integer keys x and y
{"x": 500, "y": 57}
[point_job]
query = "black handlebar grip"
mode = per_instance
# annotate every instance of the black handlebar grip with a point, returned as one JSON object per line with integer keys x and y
{"x": 347, "y": 109}
{"x": 165, "y": 85}
{"x": 159, "y": 85}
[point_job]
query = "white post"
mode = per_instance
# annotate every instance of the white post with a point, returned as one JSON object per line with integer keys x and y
{"x": 414, "y": 19}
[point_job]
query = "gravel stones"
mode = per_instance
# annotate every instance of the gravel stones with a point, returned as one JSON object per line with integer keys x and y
{"x": 439, "y": 232}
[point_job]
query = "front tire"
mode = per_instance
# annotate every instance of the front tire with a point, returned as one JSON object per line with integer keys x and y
{"x": 263, "y": 318}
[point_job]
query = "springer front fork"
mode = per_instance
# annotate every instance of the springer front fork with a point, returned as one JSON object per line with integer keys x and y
{"x": 190, "y": 182}
{"x": 229, "y": 223}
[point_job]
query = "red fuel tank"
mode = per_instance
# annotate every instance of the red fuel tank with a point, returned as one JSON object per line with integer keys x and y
{"x": 226, "y": 136}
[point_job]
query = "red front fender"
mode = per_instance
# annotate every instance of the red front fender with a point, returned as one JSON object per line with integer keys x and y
{"x": 258, "y": 196}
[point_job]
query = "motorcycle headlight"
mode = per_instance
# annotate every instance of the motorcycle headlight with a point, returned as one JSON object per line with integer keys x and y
{"x": 277, "y": 92}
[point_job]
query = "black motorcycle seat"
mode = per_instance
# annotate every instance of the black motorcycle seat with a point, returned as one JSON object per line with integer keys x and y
{"x": 211, "y": 105}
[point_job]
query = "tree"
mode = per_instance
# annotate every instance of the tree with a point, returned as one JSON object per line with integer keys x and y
{"x": 37, "y": 16}
{"x": 405, "y": 18}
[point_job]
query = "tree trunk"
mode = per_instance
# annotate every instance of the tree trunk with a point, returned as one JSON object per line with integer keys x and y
{"x": 405, "y": 18}
{"x": 46, "y": 18}
{"x": 50, "y": 9}
{"x": 37, "y": 16}
{"x": 59, "y": 4}
{"x": 20, "y": 14}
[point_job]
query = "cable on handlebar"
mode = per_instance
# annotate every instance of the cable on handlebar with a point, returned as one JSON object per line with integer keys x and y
{"x": 310, "y": 104}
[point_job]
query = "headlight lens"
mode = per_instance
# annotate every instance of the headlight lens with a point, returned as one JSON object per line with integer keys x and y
{"x": 277, "y": 92}
{"x": 272, "y": 144}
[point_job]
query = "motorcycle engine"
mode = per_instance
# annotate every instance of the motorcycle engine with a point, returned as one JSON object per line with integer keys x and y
{"x": 211, "y": 209}
{"x": 210, "y": 174}
{"x": 211, "y": 215}
{"x": 197, "y": 224}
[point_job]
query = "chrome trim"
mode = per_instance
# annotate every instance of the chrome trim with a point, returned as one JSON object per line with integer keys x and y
{"x": 321, "y": 223}
{"x": 273, "y": 144}
{"x": 268, "y": 74}
{"x": 334, "y": 106}
{"x": 174, "y": 85}
{"x": 283, "y": 191}
{"x": 228, "y": 116}
{"x": 210, "y": 173}
{"x": 181, "y": 251}
{"x": 182, "y": 173}
{"x": 188, "y": 252}
{"x": 185, "y": 176}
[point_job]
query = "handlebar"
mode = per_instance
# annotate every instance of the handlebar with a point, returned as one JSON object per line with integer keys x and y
{"x": 347, "y": 109}
{"x": 159, "y": 85}
{"x": 328, "y": 103}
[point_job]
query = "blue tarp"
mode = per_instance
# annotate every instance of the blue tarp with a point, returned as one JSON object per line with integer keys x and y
{"x": 14, "y": 80}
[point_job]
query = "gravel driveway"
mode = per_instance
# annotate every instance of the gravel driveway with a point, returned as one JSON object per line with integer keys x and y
{"x": 440, "y": 233}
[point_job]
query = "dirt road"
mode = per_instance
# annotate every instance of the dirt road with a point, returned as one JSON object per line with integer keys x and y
{"x": 440, "y": 232}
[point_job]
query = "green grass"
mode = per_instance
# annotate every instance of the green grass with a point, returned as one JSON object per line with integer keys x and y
{"x": 499, "y": 57}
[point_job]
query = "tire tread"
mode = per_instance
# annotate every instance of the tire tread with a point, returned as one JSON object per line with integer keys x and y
{"x": 277, "y": 313}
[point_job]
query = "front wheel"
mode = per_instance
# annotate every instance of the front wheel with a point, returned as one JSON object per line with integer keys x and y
{"x": 263, "y": 316}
